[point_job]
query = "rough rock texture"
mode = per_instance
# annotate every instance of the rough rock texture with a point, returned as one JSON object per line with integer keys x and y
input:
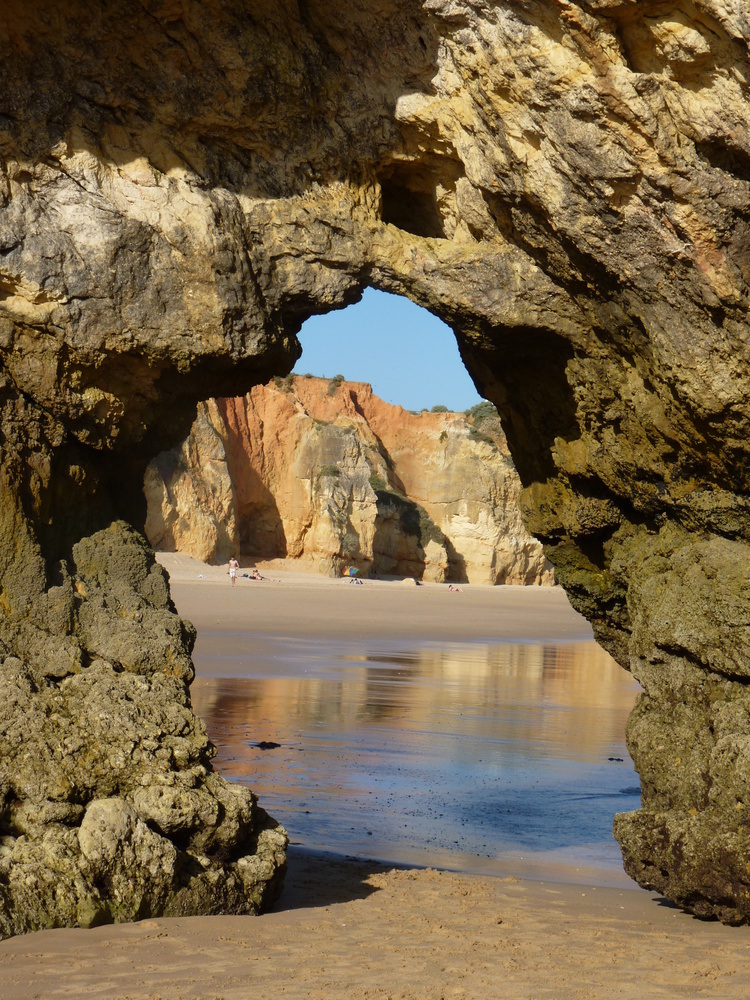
{"x": 190, "y": 494}
{"x": 109, "y": 806}
{"x": 325, "y": 472}
{"x": 566, "y": 183}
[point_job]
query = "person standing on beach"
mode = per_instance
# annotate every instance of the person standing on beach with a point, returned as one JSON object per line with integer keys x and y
{"x": 233, "y": 567}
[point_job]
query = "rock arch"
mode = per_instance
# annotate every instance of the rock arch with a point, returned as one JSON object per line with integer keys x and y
{"x": 181, "y": 184}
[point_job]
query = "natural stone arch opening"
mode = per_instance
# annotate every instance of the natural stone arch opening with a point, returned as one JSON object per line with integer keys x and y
{"x": 166, "y": 231}
{"x": 361, "y": 504}
{"x": 429, "y": 371}
{"x": 406, "y": 352}
{"x": 333, "y": 472}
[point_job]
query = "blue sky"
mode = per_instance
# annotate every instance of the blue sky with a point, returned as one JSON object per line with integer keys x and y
{"x": 407, "y": 354}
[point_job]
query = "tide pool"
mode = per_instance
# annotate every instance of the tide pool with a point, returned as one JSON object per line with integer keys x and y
{"x": 493, "y": 758}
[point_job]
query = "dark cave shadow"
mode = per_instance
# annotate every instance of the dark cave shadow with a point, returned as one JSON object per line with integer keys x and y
{"x": 397, "y": 515}
{"x": 322, "y": 878}
{"x": 456, "y": 564}
{"x": 261, "y": 528}
{"x": 535, "y": 402}
{"x": 668, "y": 904}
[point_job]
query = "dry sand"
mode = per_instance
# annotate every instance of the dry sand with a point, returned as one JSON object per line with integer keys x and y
{"x": 362, "y": 930}
{"x": 292, "y": 603}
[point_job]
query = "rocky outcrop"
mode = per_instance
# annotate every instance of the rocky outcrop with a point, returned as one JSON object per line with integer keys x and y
{"x": 567, "y": 184}
{"x": 110, "y": 808}
{"x": 190, "y": 494}
{"x": 325, "y": 472}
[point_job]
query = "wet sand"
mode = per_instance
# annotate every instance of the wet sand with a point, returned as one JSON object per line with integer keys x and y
{"x": 356, "y": 929}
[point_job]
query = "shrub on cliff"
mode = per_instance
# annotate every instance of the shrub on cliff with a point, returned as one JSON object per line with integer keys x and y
{"x": 285, "y": 384}
{"x": 475, "y": 435}
{"x": 413, "y": 518}
{"x": 428, "y": 530}
{"x": 485, "y": 424}
{"x": 481, "y": 411}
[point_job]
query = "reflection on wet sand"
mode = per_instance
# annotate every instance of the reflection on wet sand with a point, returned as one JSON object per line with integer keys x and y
{"x": 462, "y": 755}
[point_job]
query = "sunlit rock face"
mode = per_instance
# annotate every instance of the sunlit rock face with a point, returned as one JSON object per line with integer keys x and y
{"x": 190, "y": 495}
{"x": 325, "y": 473}
{"x": 566, "y": 184}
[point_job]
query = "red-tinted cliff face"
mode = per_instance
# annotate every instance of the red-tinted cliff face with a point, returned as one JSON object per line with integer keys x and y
{"x": 327, "y": 473}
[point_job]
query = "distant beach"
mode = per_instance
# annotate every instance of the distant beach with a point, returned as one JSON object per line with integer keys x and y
{"x": 296, "y": 599}
{"x": 359, "y": 929}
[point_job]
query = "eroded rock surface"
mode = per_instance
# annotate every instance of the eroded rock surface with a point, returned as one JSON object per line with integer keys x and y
{"x": 190, "y": 495}
{"x": 325, "y": 472}
{"x": 110, "y": 808}
{"x": 566, "y": 183}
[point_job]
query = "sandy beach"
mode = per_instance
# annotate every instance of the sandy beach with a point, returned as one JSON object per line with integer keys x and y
{"x": 348, "y": 928}
{"x": 290, "y": 602}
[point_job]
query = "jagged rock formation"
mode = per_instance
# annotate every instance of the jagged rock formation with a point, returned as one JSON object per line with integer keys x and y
{"x": 191, "y": 498}
{"x": 325, "y": 472}
{"x": 110, "y": 808}
{"x": 566, "y": 183}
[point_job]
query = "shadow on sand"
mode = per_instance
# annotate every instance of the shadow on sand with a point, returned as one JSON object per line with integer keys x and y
{"x": 320, "y": 878}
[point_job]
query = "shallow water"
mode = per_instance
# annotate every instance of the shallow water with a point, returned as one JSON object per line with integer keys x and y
{"x": 481, "y": 757}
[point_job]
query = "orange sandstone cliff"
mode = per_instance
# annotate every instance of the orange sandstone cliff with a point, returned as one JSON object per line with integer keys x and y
{"x": 327, "y": 473}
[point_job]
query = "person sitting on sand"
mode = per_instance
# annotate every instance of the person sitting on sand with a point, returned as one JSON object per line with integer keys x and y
{"x": 233, "y": 567}
{"x": 456, "y": 590}
{"x": 256, "y": 575}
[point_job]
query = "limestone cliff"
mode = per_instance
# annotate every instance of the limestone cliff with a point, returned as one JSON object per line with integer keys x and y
{"x": 566, "y": 183}
{"x": 190, "y": 494}
{"x": 325, "y": 472}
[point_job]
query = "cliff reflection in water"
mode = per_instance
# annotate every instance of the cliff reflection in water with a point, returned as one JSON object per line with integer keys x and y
{"x": 464, "y": 756}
